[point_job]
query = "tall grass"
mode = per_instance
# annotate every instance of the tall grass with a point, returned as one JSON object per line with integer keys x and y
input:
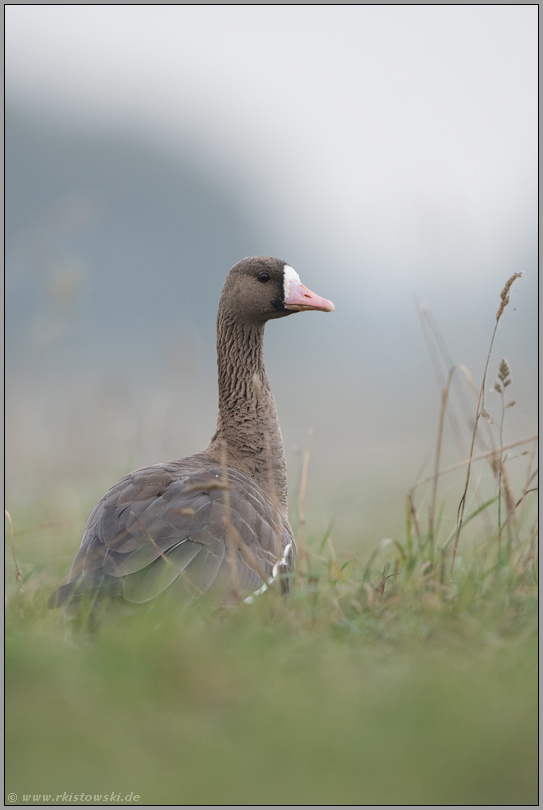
{"x": 405, "y": 677}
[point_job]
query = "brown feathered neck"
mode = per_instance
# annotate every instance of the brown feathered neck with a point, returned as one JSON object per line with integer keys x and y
{"x": 247, "y": 424}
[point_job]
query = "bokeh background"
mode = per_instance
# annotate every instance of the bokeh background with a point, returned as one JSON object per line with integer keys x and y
{"x": 388, "y": 153}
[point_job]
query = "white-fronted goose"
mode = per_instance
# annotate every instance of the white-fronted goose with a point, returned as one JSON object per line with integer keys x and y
{"x": 177, "y": 525}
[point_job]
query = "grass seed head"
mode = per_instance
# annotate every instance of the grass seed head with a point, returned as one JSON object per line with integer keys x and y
{"x": 504, "y": 373}
{"x": 504, "y": 295}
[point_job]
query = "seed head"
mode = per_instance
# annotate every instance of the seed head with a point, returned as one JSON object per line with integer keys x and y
{"x": 504, "y": 295}
{"x": 504, "y": 373}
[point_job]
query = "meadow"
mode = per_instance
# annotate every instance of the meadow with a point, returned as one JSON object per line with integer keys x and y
{"x": 405, "y": 675}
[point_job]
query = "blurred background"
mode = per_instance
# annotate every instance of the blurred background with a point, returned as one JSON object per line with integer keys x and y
{"x": 388, "y": 153}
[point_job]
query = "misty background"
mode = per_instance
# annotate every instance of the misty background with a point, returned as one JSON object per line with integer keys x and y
{"x": 388, "y": 153}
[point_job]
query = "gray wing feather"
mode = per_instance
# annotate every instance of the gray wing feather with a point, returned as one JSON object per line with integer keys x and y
{"x": 148, "y": 582}
{"x": 167, "y": 526}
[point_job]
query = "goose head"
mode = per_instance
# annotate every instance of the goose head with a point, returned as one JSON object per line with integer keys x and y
{"x": 261, "y": 288}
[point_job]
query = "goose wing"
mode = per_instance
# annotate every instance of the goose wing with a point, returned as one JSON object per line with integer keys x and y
{"x": 177, "y": 525}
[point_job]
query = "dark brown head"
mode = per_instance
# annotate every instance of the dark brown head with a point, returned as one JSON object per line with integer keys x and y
{"x": 260, "y": 288}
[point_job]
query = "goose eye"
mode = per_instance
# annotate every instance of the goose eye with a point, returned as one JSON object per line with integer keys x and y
{"x": 263, "y": 277}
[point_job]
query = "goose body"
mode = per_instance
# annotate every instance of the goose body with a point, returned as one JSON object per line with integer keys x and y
{"x": 216, "y": 522}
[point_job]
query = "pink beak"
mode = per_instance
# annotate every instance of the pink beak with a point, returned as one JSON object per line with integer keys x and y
{"x": 300, "y": 298}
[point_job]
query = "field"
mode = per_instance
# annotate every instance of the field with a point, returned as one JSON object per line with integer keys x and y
{"x": 404, "y": 676}
{"x": 358, "y": 690}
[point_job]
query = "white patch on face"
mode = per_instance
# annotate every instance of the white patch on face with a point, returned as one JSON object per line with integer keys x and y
{"x": 289, "y": 274}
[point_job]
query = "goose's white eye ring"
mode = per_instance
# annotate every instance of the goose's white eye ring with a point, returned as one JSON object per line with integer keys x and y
{"x": 263, "y": 277}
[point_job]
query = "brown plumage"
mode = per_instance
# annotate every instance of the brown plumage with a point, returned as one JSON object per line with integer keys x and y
{"x": 215, "y": 522}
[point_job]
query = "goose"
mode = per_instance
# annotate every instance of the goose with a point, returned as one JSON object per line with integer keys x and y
{"x": 214, "y": 523}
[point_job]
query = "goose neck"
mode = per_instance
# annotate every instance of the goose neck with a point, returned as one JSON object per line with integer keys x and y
{"x": 247, "y": 425}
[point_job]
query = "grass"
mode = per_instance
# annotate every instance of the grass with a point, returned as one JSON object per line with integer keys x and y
{"x": 357, "y": 690}
{"x": 402, "y": 677}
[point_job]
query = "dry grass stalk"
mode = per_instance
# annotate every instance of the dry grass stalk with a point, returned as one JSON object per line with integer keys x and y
{"x": 208, "y": 486}
{"x": 444, "y": 400}
{"x": 380, "y": 589}
{"x": 529, "y": 478}
{"x": 529, "y": 557}
{"x": 480, "y": 457}
{"x": 230, "y": 537}
{"x": 413, "y": 513}
{"x": 300, "y": 534}
{"x": 369, "y": 594}
{"x": 234, "y": 540}
{"x": 504, "y": 295}
{"x": 257, "y": 388}
{"x": 500, "y": 384}
{"x": 525, "y": 491}
{"x": 441, "y": 359}
{"x": 18, "y": 574}
{"x": 510, "y": 504}
{"x": 433, "y": 339}
{"x": 167, "y": 560}
{"x": 303, "y": 483}
{"x": 522, "y": 497}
